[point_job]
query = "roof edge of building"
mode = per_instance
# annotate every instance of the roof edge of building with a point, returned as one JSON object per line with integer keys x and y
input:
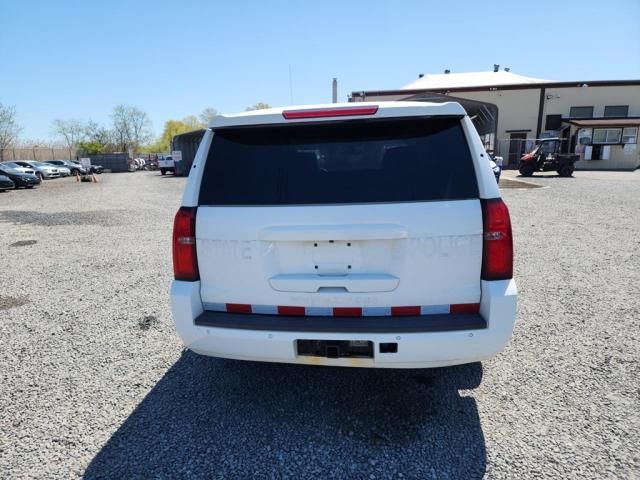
{"x": 515, "y": 86}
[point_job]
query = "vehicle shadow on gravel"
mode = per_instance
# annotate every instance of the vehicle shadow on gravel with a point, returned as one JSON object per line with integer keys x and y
{"x": 544, "y": 175}
{"x": 214, "y": 418}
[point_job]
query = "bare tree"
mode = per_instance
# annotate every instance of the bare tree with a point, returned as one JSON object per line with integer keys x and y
{"x": 120, "y": 127}
{"x": 207, "y": 115}
{"x": 99, "y": 134}
{"x": 37, "y": 143}
{"x": 9, "y": 128}
{"x": 131, "y": 127}
{"x": 70, "y": 131}
{"x": 257, "y": 106}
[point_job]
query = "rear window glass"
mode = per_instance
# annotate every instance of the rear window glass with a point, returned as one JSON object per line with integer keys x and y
{"x": 373, "y": 161}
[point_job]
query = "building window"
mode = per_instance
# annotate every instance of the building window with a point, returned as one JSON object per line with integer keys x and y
{"x": 581, "y": 112}
{"x": 616, "y": 110}
{"x": 553, "y": 122}
{"x": 630, "y": 135}
{"x": 606, "y": 135}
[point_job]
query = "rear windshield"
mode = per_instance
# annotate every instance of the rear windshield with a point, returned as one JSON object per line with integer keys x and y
{"x": 373, "y": 161}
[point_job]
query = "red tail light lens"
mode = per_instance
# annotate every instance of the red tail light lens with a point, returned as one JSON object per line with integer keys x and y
{"x": 185, "y": 260}
{"x": 330, "y": 112}
{"x": 464, "y": 308}
{"x": 497, "y": 248}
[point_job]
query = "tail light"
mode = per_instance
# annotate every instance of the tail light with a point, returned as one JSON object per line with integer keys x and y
{"x": 185, "y": 260}
{"x": 497, "y": 248}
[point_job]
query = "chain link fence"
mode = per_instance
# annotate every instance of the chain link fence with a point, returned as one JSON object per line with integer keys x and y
{"x": 40, "y": 154}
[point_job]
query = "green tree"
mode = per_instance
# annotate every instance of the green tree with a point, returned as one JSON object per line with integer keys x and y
{"x": 170, "y": 130}
{"x": 258, "y": 106}
{"x": 192, "y": 122}
{"x": 99, "y": 135}
{"x": 90, "y": 147}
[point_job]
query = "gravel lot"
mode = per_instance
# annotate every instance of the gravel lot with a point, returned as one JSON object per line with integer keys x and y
{"x": 94, "y": 381}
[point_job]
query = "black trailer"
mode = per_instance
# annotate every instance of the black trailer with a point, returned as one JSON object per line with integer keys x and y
{"x": 188, "y": 144}
{"x": 113, "y": 162}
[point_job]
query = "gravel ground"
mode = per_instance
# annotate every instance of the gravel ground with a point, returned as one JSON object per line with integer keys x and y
{"x": 94, "y": 381}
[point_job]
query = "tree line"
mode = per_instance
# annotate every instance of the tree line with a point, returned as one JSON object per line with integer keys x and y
{"x": 130, "y": 130}
{"x": 188, "y": 124}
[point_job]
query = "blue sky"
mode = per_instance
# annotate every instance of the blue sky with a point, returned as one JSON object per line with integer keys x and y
{"x": 77, "y": 59}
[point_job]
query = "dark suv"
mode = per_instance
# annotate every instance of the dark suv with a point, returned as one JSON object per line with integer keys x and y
{"x": 92, "y": 168}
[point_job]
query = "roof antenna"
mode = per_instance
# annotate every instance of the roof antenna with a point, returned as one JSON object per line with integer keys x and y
{"x": 496, "y": 67}
{"x": 290, "y": 86}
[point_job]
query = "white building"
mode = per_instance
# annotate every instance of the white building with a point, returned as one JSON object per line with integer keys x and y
{"x": 597, "y": 119}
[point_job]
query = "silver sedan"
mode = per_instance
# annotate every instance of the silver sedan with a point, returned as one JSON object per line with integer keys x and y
{"x": 43, "y": 170}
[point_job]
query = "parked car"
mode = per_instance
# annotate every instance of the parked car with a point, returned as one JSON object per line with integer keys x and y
{"x": 98, "y": 169}
{"x": 20, "y": 168}
{"x": 6, "y": 183}
{"x": 497, "y": 169}
{"x": 166, "y": 164}
{"x": 41, "y": 169}
{"x": 20, "y": 179}
{"x": 305, "y": 238}
{"x": 73, "y": 168}
{"x": 64, "y": 171}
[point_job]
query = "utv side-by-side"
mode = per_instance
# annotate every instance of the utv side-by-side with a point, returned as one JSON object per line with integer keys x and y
{"x": 547, "y": 157}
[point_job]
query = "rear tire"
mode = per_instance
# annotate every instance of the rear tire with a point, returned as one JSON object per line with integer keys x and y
{"x": 163, "y": 171}
{"x": 566, "y": 171}
{"x": 526, "y": 170}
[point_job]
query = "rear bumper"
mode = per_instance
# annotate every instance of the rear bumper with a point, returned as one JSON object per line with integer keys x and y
{"x": 468, "y": 338}
{"x": 326, "y": 324}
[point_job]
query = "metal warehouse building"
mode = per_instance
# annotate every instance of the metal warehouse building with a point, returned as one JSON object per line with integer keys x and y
{"x": 599, "y": 120}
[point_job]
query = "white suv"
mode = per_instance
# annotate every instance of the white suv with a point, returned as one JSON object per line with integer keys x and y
{"x": 355, "y": 235}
